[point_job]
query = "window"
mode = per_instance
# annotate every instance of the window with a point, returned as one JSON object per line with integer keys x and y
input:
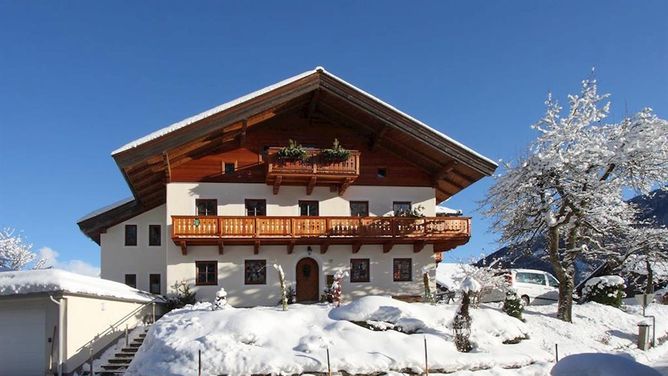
{"x": 359, "y": 270}
{"x": 308, "y": 208}
{"x": 329, "y": 279}
{"x": 382, "y": 172}
{"x": 130, "y": 235}
{"x": 206, "y": 206}
{"x": 154, "y": 236}
{"x": 359, "y": 208}
{"x": 255, "y": 272}
{"x": 552, "y": 281}
{"x": 131, "y": 280}
{"x": 229, "y": 168}
{"x": 255, "y": 208}
{"x": 402, "y": 270}
{"x": 207, "y": 273}
{"x": 533, "y": 278}
{"x": 154, "y": 283}
{"x": 401, "y": 207}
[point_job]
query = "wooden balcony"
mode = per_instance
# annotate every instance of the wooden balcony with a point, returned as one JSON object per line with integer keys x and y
{"x": 444, "y": 232}
{"x": 313, "y": 171}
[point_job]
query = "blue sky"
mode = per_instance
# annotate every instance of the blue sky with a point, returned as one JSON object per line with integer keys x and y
{"x": 79, "y": 79}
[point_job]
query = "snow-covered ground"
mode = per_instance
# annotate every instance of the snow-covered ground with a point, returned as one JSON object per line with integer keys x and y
{"x": 267, "y": 340}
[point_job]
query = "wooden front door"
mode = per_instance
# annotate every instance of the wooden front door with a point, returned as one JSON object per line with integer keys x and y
{"x": 308, "y": 278}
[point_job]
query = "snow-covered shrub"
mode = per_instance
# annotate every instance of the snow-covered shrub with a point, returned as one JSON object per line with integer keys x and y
{"x": 336, "y": 287}
{"x": 462, "y": 322}
{"x": 292, "y": 294}
{"x": 181, "y": 296}
{"x": 221, "y": 300}
{"x": 512, "y": 305}
{"x": 607, "y": 289}
{"x": 284, "y": 289}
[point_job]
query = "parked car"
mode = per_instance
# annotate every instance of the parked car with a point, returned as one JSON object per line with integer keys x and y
{"x": 532, "y": 286}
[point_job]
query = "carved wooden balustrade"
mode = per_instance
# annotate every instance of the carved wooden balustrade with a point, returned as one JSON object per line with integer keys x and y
{"x": 314, "y": 170}
{"x": 446, "y": 232}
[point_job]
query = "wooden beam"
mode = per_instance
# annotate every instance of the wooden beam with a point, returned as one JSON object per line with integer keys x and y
{"x": 184, "y": 248}
{"x": 344, "y": 186}
{"x": 291, "y": 247}
{"x": 418, "y": 246}
{"x": 375, "y": 141}
{"x": 388, "y": 246}
{"x": 445, "y": 170}
{"x": 277, "y": 184}
{"x": 324, "y": 247}
{"x": 242, "y": 135}
{"x": 168, "y": 169}
{"x": 313, "y": 103}
{"x": 256, "y": 247}
{"x": 311, "y": 185}
{"x": 356, "y": 247}
{"x": 220, "y": 247}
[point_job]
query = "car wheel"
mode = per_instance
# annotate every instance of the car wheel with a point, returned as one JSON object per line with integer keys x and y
{"x": 525, "y": 300}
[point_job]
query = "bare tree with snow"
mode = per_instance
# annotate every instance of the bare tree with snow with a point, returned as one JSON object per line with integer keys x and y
{"x": 15, "y": 253}
{"x": 569, "y": 188}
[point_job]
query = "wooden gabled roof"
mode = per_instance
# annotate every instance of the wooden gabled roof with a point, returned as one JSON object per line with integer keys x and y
{"x": 146, "y": 163}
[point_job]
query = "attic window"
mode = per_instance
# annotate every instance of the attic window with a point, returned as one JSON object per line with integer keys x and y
{"x": 229, "y": 168}
{"x": 382, "y": 172}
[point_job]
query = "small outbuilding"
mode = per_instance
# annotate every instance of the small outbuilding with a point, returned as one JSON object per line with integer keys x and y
{"x": 52, "y": 320}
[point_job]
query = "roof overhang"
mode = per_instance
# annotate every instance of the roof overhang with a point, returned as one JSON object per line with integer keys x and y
{"x": 145, "y": 163}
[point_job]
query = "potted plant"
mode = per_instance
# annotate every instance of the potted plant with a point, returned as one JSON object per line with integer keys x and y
{"x": 336, "y": 154}
{"x": 292, "y": 153}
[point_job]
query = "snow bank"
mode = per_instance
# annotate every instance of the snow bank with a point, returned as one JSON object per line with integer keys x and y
{"x": 602, "y": 282}
{"x": 443, "y": 210}
{"x": 54, "y": 280}
{"x": 451, "y": 275}
{"x": 592, "y": 364}
{"x": 267, "y": 340}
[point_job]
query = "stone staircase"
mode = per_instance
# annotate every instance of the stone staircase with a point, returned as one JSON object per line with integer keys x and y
{"x": 118, "y": 364}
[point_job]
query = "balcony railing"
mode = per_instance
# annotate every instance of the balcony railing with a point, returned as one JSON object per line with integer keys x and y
{"x": 313, "y": 170}
{"x": 314, "y": 164}
{"x": 341, "y": 228}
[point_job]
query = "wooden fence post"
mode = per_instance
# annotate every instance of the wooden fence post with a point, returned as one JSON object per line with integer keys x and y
{"x": 199, "y": 362}
{"x": 329, "y": 367}
{"x": 426, "y": 360}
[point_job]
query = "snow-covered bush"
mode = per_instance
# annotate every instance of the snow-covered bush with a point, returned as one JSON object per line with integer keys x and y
{"x": 15, "y": 253}
{"x": 607, "y": 289}
{"x": 512, "y": 305}
{"x": 221, "y": 300}
{"x": 451, "y": 276}
{"x": 462, "y": 322}
{"x": 284, "y": 289}
{"x": 336, "y": 287}
{"x": 181, "y": 296}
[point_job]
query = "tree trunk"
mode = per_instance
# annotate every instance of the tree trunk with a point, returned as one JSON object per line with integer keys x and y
{"x": 566, "y": 285}
{"x": 649, "y": 288}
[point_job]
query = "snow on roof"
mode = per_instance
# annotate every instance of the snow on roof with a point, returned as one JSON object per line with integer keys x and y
{"x": 447, "y": 211}
{"x": 106, "y": 208}
{"x": 232, "y": 103}
{"x": 54, "y": 280}
{"x": 210, "y": 112}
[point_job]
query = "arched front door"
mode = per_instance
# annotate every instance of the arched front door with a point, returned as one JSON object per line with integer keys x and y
{"x": 308, "y": 278}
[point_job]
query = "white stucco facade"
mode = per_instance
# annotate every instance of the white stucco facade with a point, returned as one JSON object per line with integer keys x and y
{"x": 167, "y": 259}
{"x": 117, "y": 259}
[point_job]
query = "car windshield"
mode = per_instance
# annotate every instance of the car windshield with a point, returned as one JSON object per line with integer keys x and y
{"x": 533, "y": 278}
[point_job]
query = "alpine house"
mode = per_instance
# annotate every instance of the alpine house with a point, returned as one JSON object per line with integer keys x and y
{"x": 311, "y": 173}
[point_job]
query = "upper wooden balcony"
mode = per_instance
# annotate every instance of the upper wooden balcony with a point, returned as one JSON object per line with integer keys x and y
{"x": 313, "y": 170}
{"x": 444, "y": 232}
